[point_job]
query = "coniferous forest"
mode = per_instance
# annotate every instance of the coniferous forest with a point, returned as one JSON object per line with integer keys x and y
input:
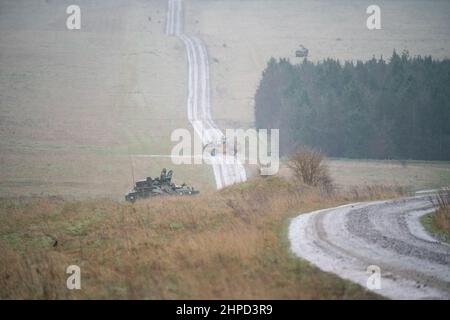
{"x": 379, "y": 109}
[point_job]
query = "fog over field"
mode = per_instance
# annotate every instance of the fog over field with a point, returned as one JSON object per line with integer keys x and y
{"x": 350, "y": 201}
{"x": 243, "y": 35}
{"x": 77, "y": 108}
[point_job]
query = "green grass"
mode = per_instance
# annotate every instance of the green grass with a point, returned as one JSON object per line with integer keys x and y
{"x": 429, "y": 223}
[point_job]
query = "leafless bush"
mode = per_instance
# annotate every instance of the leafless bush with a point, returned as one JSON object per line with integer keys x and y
{"x": 443, "y": 199}
{"x": 308, "y": 166}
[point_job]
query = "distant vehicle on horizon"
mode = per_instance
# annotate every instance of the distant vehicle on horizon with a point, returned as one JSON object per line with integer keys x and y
{"x": 301, "y": 52}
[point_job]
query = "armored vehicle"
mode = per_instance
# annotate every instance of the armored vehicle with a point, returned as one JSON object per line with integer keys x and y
{"x": 301, "y": 52}
{"x": 159, "y": 186}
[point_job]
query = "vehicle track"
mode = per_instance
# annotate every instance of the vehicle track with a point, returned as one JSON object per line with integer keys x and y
{"x": 348, "y": 239}
{"x": 199, "y": 98}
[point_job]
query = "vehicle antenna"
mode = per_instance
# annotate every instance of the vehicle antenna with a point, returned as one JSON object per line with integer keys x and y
{"x": 131, "y": 165}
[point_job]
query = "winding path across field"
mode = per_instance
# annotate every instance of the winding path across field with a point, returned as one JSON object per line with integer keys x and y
{"x": 199, "y": 98}
{"x": 388, "y": 234}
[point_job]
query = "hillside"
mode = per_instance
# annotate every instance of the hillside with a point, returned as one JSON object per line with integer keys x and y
{"x": 228, "y": 244}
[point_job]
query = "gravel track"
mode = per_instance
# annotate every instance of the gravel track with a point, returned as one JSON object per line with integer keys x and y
{"x": 348, "y": 239}
{"x": 199, "y": 97}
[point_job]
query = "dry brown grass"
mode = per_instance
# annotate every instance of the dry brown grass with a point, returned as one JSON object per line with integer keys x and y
{"x": 227, "y": 244}
{"x": 442, "y": 216}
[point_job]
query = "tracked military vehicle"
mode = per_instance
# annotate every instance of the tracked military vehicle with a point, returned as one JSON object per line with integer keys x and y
{"x": 301, "y": 52}
{"x": 159, "y": 186}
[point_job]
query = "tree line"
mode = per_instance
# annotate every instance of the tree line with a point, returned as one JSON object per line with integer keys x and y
{"x": 378, "y": 109}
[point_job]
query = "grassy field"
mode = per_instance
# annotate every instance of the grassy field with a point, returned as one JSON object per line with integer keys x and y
{"x": 224, "y": 244}
{"x": 410, "y": 175}
{"x": 77, "y": 108}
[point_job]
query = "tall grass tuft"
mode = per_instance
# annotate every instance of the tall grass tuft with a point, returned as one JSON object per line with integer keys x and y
{"x": 442, "y": 204}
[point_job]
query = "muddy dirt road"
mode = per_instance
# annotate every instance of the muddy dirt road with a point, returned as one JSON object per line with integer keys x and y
{"x": 386, "y": 234}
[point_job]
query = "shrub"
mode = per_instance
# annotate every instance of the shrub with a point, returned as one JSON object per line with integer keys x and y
{"x": 308, "y": 167}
